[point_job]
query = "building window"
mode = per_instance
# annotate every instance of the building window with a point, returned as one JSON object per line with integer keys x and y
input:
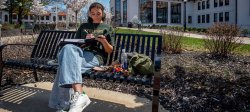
{"x": 31, "y": 17}
{"x": 221, "y": 3}
{"x": 60, "y": 18}
{"x": 54, "y": 18}
{"x": 199, "y": 19}
{"x": 226, "y": 2}
{"x": 199, "y": 5}
{"x": 203, "y": 18}
{"x": 221, "y": 17}
{"x": 14, "y": 17}
{"x": 226, "y": 16}
{"x": 176, "y": 13}
{"x": 117, "y": 12}
{"x": 208, "y": 4}
{"x": 1, "y": 16}
{"x": 47, "y": 17}
{"x": 215, "y": 17}
{"x": 207, "y": 18}
{"x": 5, "y": 18}
{"x": 215, "y": 3}
{"x": 146, "y": 11}
{"x": 203, "y": 4}
{"x": 189, "y": 19}
{"x": 125, "y": 11}
{"x": 161, "y": 12}
{"x": 42, "y": 17}
{"x": 26, "y": 17}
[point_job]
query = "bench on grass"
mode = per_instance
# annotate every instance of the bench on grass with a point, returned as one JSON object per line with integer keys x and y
{"x": 46, "y": 48}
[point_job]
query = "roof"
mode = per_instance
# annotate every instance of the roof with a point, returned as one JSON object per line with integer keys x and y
{"x": 62, "y": 14}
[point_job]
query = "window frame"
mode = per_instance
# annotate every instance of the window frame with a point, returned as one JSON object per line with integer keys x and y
{"x": 215, "y": 3}
{"x": 42, "y": 17}
{"x": 207, "y": 18}
{"x": 227, "y": 16}
{"x": 47, "y": 17}
{"x": 199, "y": 5}
{"x": 203, "y": 20}
{"x": 203, "y": 5}
{"x": 227, "y": 2}
{"x": 198, "y": 19}
{"x": 208, "y": 4}
{"x": 221, "y": 18}
{"x": 215, "y": 17}
{"x": 189, "y": 19}
{"x": 221, "y": 3}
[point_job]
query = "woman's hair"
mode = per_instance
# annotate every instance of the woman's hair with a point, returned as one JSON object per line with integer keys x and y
{"x": 99, "y": 6}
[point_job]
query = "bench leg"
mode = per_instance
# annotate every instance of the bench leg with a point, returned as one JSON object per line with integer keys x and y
{"x": 156, "y": 90}
{"x": 1, "y": 75}
{"x": 1, "y": 64}
{"x": 35, "y": 75}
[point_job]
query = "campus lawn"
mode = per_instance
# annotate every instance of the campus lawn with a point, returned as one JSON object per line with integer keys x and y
{"x": 193, "y": 44}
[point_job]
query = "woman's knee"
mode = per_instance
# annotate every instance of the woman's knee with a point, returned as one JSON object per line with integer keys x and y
{"x": 70, "y": 49}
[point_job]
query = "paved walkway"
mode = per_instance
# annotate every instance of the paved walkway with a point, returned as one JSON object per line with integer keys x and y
{"x": 246, "y": 40}
{"x": 28, "y": 98}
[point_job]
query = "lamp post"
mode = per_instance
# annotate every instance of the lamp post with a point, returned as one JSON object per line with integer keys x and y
{"x": 56, "y": 17}
{"x": 185, "y": 9}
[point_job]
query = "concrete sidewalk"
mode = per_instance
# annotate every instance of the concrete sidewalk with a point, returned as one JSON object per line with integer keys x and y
{"x": 245, "y": 40}
{"x": 28, "y": 98}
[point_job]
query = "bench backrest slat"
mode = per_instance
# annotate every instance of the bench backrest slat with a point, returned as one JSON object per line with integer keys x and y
{"x": 144, "y": 44}
{"x": 47, "y": 44}
{"x": 132, "y": 43}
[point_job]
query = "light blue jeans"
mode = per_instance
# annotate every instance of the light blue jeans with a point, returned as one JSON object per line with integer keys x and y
{"x": 73, "y": 61}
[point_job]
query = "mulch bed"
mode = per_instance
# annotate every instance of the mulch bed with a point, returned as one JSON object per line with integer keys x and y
{"x": 191, "y": 81}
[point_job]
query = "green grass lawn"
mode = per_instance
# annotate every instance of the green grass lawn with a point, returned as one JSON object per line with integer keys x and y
{"x": 193, "y": 44}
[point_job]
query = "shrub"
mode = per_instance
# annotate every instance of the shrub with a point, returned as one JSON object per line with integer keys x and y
{"x": 172, "y": 41}
{"x": 244, "y": 32}
{"x": 39, "y": 27}
{"x": 7, "y": 26}
{"x": 222, "y": 39}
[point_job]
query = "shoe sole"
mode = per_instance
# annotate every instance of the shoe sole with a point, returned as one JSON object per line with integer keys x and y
{"x": 86, "y": 105}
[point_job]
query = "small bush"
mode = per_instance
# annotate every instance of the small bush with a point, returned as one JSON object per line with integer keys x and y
{"x": 7, "y": 26}
{"x": 39, "y": 27}
{"x": 172, "y": 41}
{"x": 222, "y": 39}
{"x": 244, "y": 32}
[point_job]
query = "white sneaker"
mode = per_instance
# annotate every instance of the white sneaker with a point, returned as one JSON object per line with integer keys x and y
{"x": 61, "y": 110}
{"x": 79, "y": 102}
{"x": 65, "y": 109}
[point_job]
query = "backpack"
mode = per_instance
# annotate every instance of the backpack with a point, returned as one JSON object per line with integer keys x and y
{"x": 140, "y": 64}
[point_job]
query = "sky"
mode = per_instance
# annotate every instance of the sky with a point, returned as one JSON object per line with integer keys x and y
{"x": 104, "y": 2}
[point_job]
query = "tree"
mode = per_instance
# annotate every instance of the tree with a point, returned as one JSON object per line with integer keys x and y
{"x": 77, "y": 5}
{"x": 22, "y": 8}
{"x": 2, "y": 4}
{"x": 10, "y": 7}
{"x": 37, "y": 9}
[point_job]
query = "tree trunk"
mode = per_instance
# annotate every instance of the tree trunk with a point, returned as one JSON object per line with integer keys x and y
{"x": 20, "y": 11}
{"x": 11, "y": 12}
{"x": 76, "y": 20}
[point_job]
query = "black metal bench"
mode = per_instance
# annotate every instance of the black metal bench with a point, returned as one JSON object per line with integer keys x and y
{"x": 46, "y": 49}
